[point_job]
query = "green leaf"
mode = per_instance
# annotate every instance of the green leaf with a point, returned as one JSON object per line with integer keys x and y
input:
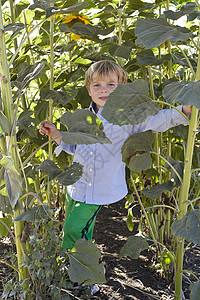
{"x": 154, "y": 32}
{"x": 65, "y": 176}
{"x": 70, "y": 174}
{"x": 62, "y": 97}
{"x": 83, "y": 128}
{"x": 49, "y": 168}
{"x": 135, "y": 107}
{"x": 74, "y": 9}
{"x": 7, "y": 221}
{"x": 84, "y": 263}
{"x": 135, "y": 4}
{"x": 4, "y": 123}
{"x": 195, "y": 290}
{"x": 13, "y": 185}
{"x": 35, "y": 213}
{"x": 184, "y": 92}
{"x": 129, "y": 221}
{"x": 28, "y": 73}
{"x": 133, "y": 247}
{"x": 12, "y": 180}
{"x": 156, "y": 191}
{"x": 83, "y": 29}
{"x": 41, "y": 110}
{"x": 5, "y": 206}
{"x": 146, "y": 57}
{"x": 15, "y": 27}
{"x": 19, "y": 7}
{"x": 188, "y": 227}
{"x": 83, "y": 97}
{"x": 121, "y": 50}
{"x": 186, "y": 9}
{"x": 136, "y": 151}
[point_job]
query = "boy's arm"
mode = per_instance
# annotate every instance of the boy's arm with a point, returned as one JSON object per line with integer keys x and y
{"x": 164, "y": 120}
{"x": 50, "y": 129}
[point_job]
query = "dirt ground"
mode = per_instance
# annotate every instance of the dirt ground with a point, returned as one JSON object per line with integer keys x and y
{"x": 126, "y": 278}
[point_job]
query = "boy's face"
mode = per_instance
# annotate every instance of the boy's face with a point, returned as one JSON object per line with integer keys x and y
{"x": 101, "y": 87}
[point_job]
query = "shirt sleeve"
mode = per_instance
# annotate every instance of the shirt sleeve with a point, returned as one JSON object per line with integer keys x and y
{"x": 165, "y": 119}
{"x": 64, "y": 147}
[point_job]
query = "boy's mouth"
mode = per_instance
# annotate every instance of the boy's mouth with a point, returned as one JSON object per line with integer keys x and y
{"x": 103, "y": 98}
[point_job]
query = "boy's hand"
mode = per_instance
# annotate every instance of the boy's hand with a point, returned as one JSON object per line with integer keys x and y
{"x": 50, "y": 129}
{"x": 187, "y": 109}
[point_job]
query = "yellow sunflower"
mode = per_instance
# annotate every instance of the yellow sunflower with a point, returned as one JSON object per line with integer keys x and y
{"x": 70, "y": 20}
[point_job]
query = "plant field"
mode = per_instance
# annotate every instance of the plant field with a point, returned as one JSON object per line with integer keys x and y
{"x": 46, "y": 48}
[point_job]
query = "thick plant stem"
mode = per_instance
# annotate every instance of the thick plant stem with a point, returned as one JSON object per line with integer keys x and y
{"x": 184, "y": 191}
{"x": 8, "y": 108}
{"x": 50, "y": 100}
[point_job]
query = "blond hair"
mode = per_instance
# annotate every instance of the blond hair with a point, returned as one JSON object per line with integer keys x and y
{"x": 103, "y": 68}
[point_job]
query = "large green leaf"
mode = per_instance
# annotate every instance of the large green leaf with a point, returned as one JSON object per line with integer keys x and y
{"x": 62, "y": 97}
{"x": 79, "y": 29}
{"x": 65, "y": 176}
{"x": 83, "y": 97}
{"x": 28, "y": 73}
{"x": 156, "y": 191}
{"x": 129, "y": 104}
{"x": 35, "y": 213}
{"x": 4, "y": 123}
{"x": 12, "y": 179}
{"x": 49, "y": 168}
{"x": 146, "y": 57}
{"x": 83, "y": 128}
{"x": 188, "y": 227}
{"x": 133, "y": 247}
{"x": 154, "y": 32}
{"x": 74, "y": 9}
{"x": 70, "y": 174}
{"x": 136, "y": 151}
{"x": 84, "y": 263}
{"x": 184, "y": 92}
{"x": 195, "y": 290}
{"x": 188, "y": 8}
{"x": 13, "y": 184}
{"x": 123, "y": 50}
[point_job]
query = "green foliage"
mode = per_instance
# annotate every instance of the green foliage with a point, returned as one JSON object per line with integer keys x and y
{"x": 154, "y": 32}
{"x": 183, "y": 92}
{"x": 84, "y": 263}
{"x": 136, "y": 151}
{"x": 83, "y": 128}
{"x": 195, "y": 290}
{"x": 133, "y": 247}
{"x": 188, "y": 226}
{"x": 129, "y": 104}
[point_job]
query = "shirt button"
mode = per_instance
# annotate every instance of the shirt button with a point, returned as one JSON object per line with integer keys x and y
{"x": 91, "y": 153}
{"x": 90, "y": 169}
{"x": 90, "y": 184}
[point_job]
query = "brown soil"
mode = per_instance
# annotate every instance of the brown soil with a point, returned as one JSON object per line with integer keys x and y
{"x": 126, "y": 278}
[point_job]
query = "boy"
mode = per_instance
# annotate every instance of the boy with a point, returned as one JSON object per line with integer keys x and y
{"x": 103, "y": 178}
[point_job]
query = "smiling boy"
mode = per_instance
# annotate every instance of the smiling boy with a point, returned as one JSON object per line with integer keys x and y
{"x": 103, "y": 179}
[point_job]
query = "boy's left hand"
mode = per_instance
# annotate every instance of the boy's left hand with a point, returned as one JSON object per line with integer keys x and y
{"x": 187, "y": 109}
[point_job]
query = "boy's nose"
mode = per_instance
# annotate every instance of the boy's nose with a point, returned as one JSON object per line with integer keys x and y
{"x": 104, "y": 90}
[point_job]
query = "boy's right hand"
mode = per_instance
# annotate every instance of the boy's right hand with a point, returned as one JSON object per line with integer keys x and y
{"x": 50, "y": 129}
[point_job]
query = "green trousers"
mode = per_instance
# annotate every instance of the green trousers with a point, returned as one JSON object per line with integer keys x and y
{"x": 79, "y": 223}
